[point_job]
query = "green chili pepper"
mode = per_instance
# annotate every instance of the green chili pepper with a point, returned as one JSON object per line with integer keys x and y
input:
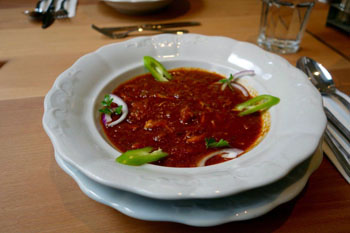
{"x": 211, "y": 143}
{"x": 140, "y": 156}
{"x": 156, "y": 69}
{"x": 259, "y": 103}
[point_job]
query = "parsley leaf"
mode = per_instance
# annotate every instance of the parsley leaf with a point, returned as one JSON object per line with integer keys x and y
{"x": 227, "y": 81}
{"x": 107, "y": 101}
{"x": 105, "y": 111}
{"x": 231, "y": 78}
{"x": 211, "y": 143}
{"x": 118, "y": 110}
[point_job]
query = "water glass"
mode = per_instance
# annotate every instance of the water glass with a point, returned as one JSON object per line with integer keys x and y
{"x": 282, "y": 24}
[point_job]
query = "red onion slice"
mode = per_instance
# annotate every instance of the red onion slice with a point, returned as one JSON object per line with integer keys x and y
{"x": 238, "y": 75}
{"x": 107, "y": 119}
{"x": 244, "y": 73}
{"x": 229, "y": 153}
{"x": 243, "y": 90}
{"x": 223, "y": 86}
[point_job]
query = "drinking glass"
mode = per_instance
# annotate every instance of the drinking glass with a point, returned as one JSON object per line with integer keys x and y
{"x": 282, "y": 24}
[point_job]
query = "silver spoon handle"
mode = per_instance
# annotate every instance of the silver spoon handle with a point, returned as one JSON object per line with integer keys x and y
{"x": 342, "y": 129}
{"x": 345, "y": 102}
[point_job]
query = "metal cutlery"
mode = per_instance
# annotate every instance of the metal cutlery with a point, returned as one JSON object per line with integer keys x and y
{"x": 150, "y": 26}
{"x": 323, "y": 81}
{"x": 49, "y": 15}
{"x": 108, "y": 31}
{"x": 62, "y": 13}
{"x": 342, "y": 129}
{"x": 339, "y": 151}
{"x": 37, "y": 13}
{"x": 321, "y": 78}
{"x": 125, "y": 34}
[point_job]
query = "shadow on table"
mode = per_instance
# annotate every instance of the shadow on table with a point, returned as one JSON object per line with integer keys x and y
{"x": 263, "y": 224}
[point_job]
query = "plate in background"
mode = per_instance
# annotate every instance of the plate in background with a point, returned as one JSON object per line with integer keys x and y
{"x": 137, "y": 6}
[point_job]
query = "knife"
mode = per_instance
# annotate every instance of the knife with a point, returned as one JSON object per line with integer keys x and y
{"x": 49, "y": 15}
{"x": 146, "y": 26}
{"x": 342, "y": 129}
{"x": 337, "y": 148}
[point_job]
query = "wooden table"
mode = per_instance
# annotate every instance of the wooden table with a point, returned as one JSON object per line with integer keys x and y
{"x": 37, "y": 196}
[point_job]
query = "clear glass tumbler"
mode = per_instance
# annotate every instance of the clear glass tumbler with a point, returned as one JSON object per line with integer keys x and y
{"x": 282, "y": 24}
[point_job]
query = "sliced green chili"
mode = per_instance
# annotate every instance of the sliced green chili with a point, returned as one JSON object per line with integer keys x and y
{"x": 211, "y": 143}
{"x": 156, "y": 69}
{"x": 259, "y": 103}
{"x": 140, "y": 156}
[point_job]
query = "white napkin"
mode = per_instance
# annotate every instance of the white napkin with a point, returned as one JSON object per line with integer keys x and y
{"x": 343, "y": 115}
{"x": 70, "y": 6}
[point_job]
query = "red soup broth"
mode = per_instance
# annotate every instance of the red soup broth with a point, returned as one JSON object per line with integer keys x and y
{"x": 179, "y": 115}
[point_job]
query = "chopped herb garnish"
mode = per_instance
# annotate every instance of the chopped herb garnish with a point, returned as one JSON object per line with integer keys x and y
{"x": 118, "y": 110}
{"x": 259, "y": 103}
{"x": 105, "y": 111}
{"x": 140, "y": 156}
{"x": 107, "y": 101}
{"x": 227, "y": 82}
{"x": 211, "y": 143}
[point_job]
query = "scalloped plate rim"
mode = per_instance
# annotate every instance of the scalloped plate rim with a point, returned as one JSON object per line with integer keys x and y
{"x": 173, "y": 194}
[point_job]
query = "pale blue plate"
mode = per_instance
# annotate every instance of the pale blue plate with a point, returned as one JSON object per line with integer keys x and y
{"x": 199, "y": 212}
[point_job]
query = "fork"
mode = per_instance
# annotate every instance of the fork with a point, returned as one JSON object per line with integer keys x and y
{"x": 62, "y": 13}
{"x": 126, "y": 33}
{"x": 37, "y": 13}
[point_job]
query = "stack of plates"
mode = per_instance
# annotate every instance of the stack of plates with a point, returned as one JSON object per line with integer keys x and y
{"x": 272, "y": 173}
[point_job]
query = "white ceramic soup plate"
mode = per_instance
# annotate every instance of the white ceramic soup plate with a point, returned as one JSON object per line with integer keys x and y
{"x": 71, "y": 117}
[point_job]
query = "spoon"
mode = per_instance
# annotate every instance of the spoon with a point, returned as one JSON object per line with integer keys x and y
{"x": 323, "y": 81}
{"x": 321, "y": 78}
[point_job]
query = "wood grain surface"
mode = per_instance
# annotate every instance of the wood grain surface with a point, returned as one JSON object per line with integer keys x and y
{"x": 37, "y": 196}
